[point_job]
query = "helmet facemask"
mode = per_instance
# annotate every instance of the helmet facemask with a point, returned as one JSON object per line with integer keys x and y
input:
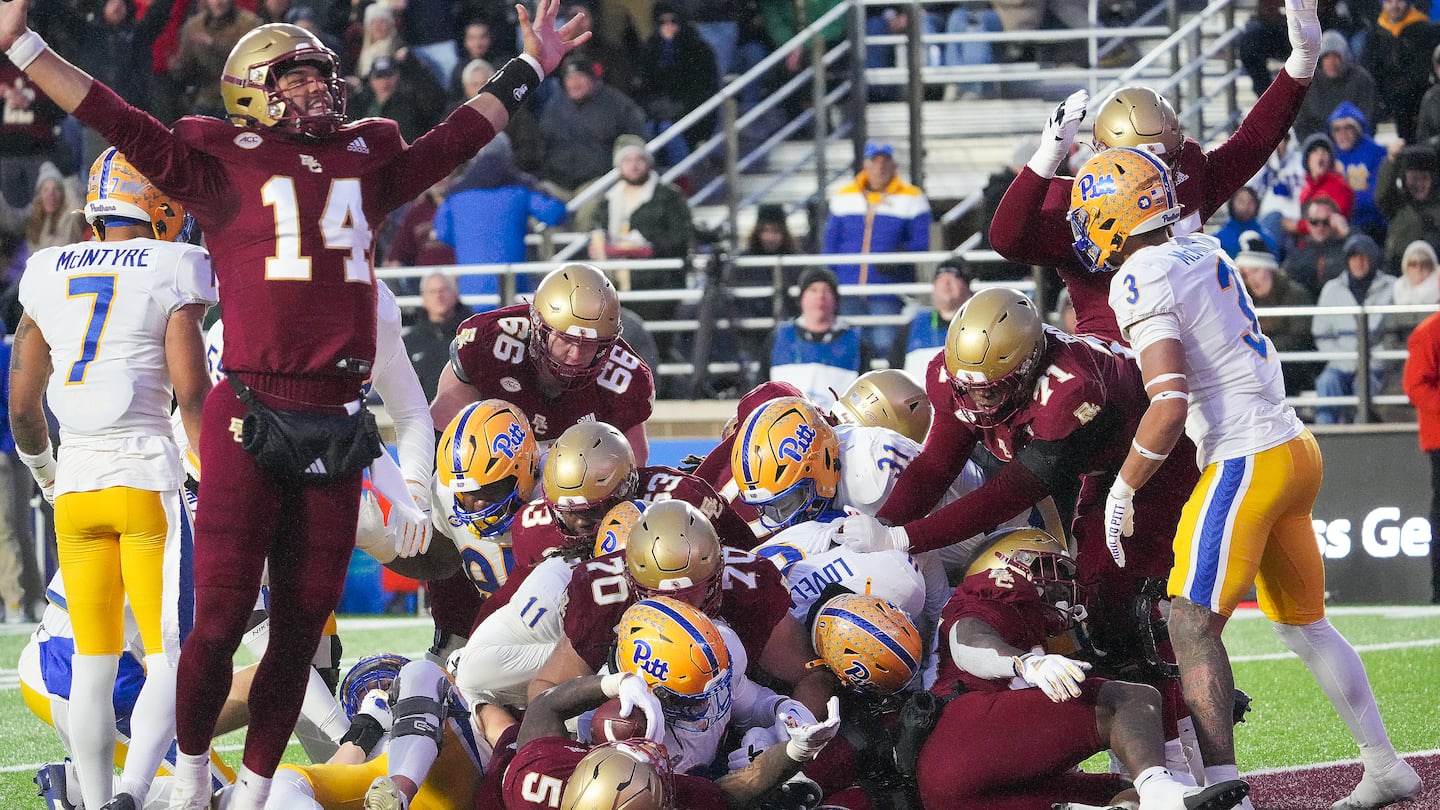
{"x": 696, "y": 712}
{"x": 544, "y": 338}
{"x": 579, "y": 519}
{"x": 797, "y": 504}
{"x": 990, "y": 402}
{"x": 501, "y": 503}
{"x": 266, "y": 76}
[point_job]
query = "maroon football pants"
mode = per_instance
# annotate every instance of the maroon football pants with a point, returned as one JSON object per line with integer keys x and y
{"x": 246, "y": 518}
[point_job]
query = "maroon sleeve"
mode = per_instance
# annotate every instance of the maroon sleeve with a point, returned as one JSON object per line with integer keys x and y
{"x": 634, "y": 405}
{"x": 1231, "y": 164}
{"x": 1029, "y": 225}
{"x": 433, "y": 156}
{"x": 946, "y": 450}
{"x": 698, "y": 793}
{"x": 594, "y": 601}
{"x": 715, "y": 469}
{"x": 552, "y": 757}
{"x": 732, "y": 528}
{"x": 1011, "y": 491}
{"x": 189, "y": 175}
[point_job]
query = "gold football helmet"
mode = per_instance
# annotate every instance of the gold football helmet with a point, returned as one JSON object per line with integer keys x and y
{"x": 1038, "y": 557}
{"x": 589, "y": 469}
{"x": 117, "y": 189}
{"x": 616, "y": 526}
{"x": 870, "y": 644}
{"x": 575, "y": 310}
{"x": 1118, "y": 193}
{"x": 626, "y": 775}
{"x": 786, "y": 461}
{"x": 488, "y": 461}
{"x": 681, "y": 654}
{"x": 674, "y": 551}
{"x": 250, "y": 81}
{"x": 888, "y": 398}
{"x": 1140, "y": 118}
{"x": 992, "y": 353}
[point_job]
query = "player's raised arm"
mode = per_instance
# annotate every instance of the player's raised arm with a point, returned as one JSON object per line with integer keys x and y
{"x": 64, "y": 83}
{"x": 545, "y": 46}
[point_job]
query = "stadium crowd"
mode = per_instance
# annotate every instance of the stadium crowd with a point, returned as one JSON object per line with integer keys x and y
{"x": 873, "y": 591}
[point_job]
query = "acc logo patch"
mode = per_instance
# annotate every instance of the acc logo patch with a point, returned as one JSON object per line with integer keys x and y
{"x": 248, "y": 140}
{"x": 510, "y": 384}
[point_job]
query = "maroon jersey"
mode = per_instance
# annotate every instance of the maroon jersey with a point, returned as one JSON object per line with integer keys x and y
{"x": 536, "y": 778}
{"x": 491, "y": 351}
{"x": 1083, "y": 385}
{"x": 1030, "y": 225}
{"x": 290, "y": 223}
{"x": 1011, "y": 605}
{"x": 535, "y": 532}
{"x": 755, "y": 600}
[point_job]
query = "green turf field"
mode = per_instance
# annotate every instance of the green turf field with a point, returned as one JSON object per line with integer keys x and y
{"x": 1291, "y": 723}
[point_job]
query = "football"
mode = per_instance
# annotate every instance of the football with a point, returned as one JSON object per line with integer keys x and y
{"x": 607, "y": 724}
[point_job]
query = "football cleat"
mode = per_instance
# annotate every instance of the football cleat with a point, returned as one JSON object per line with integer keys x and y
{"x": 53, "y": 782}
{"x": 1397, "y": 783}
{"x": 384, "y": 795}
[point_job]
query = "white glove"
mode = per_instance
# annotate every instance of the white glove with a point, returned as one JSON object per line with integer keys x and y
{"x": 370, "y": 534}
{"x": 791, "y": 712}
{"x": 807, "y": 741}
{"x": 1057, "y": 676}
{"x": 376, "y": 703}
{"x": 634, "y": 693}
{"x": 410, "y": 527}
{"x": 1059, "y": 134}
{"x": 1119, "y": 518}
{"x": 42, "y": 469}
{"x": 865, "y": 533}
{"x": 1302, "y": 19}
{"x": 754, "y": 743}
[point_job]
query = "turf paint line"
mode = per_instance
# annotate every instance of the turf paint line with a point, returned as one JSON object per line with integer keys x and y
{"x": 1361, "y": 648}
{"x": 1335, "y": 764}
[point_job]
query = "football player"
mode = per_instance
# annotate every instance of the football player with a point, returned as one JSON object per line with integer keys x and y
{"x": 1053, "y": 407}
{"x": 887, "y": 398}
{"x": 1029, "y": 225}
{"x": 671, "y": 653}
{"x": 111, "y": 332}
{"x": 1211, "y": 372}
{"x": 1019, "y": 692}
{"x": 286, "y": 193}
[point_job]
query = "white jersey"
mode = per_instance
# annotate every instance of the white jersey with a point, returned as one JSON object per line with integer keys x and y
{"x": 103, "y": 309}
{"x": 811, "y": 559}
{"x": 1237, "y": 394}
{"x": 507, "y": 650}
{"x": 751, "y": 706}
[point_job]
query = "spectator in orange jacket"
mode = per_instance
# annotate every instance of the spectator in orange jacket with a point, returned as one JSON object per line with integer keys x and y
{"x": 1422, "y": 385}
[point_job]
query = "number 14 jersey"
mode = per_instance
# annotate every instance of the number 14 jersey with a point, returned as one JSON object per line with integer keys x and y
{"x": 1237, "y": 394}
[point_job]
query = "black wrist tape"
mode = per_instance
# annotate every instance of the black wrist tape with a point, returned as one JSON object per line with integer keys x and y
{"x": 512, "y": 84}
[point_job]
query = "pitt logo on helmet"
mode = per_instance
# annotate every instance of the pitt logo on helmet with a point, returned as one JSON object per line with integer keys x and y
{"x": 795, "y": 447}
{"x": 644, "y": 660}
{"x": 1092, "y": 186}
{"x": 506, "y": 443}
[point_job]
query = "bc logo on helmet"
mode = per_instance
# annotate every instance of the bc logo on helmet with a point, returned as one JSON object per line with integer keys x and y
{"x": 645, "y": 661}
{"x": 1092, "y": 187}
{"x": 793, "y": 447}
{"x": 509, "y": 440}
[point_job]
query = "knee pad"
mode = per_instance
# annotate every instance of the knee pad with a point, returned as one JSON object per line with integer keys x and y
{"x": 419, "y": 716}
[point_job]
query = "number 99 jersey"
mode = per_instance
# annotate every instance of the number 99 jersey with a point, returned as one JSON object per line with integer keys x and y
{"x": 1237, "y": 393}
{"x": 491, "y": 352}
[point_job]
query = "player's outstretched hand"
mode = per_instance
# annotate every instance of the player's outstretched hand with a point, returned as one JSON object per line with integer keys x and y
{"x": 1059, "y": 134}
{"x": 12, "y": 21}
{"x": 543, "y": 41}
{"x": 807, "y": 741}
{"x": 1302, "y": 19}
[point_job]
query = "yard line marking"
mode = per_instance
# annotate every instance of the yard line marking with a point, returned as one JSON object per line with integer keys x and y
{"x": 1362, "y": 648}
{"x": 1334, "y": 763}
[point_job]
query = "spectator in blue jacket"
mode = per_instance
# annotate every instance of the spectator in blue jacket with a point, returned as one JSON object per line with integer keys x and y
{"x": 817, "y": 352}
{"x": 1244, "y": 217}
{"x": 487, "y": 214}
{"x": 877, "y": 213}
{"x": 925, "y": 334}
{"x": 1358, "y": 158}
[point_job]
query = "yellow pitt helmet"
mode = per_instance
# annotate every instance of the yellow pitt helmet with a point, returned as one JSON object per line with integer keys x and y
{"x": 674, "y": 551}
{"x": 628, "y": 775}
{"x": 888, "y": 398}
{"x": 786, "y": 461}
{"x": 574, "y": 306}
{"x": 487, "y": 453}
{"x": 1140, "y": 118}
{"x": 117, "y": 192}
{"x": 1036, "y": 556}
{"x": 616, "y": 526}
{"x": 681, "y": 654}
{"x": 250, "y": 81}
{"x": 870, "y": 644}
{"x": 1117, "y": 194}
{"x": 992, "y": 353}
{"x": 589, "y": 469}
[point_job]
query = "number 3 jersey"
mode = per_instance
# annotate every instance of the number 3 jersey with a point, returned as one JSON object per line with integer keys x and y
{"x": 103, "y": 308}
{"x": 1237, "y": 394}
{"x": 491, "y": 352}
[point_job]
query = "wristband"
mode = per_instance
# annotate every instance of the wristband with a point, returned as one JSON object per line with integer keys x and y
{"x": 38, "y": 461}
{"x": 25, "y": 49}
{"x": 513, "y": 83}
{"x": 365, "y": 731}
{"x": 610, "y": 684}
{"x": 1121, "y": 489}
{"x": 1153, "y": 456}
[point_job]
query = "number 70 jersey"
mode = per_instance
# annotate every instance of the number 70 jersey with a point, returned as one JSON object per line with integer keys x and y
{"x": 1237, "y": 394}
{"x": 103, "y": 309}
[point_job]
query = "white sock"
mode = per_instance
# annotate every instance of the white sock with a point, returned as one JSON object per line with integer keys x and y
{"x": 1177, "y": 764}
{"x": 1155, "y": 784}
{"x": 152, "y": 727}
{"x": 251, "y": 791}
{"x": 1214, "y": 774}
{"x": 92, "y": 724}
{"x": 1195, "y": 764}
{"x": 291, "y": 790}
{"x": 1337, "y": 668}
{"x": 321, "y": 708}
{"x": 192, "y": 776}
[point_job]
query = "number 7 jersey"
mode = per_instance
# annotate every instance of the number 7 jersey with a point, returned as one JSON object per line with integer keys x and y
{"x": 1237, "y": 394}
